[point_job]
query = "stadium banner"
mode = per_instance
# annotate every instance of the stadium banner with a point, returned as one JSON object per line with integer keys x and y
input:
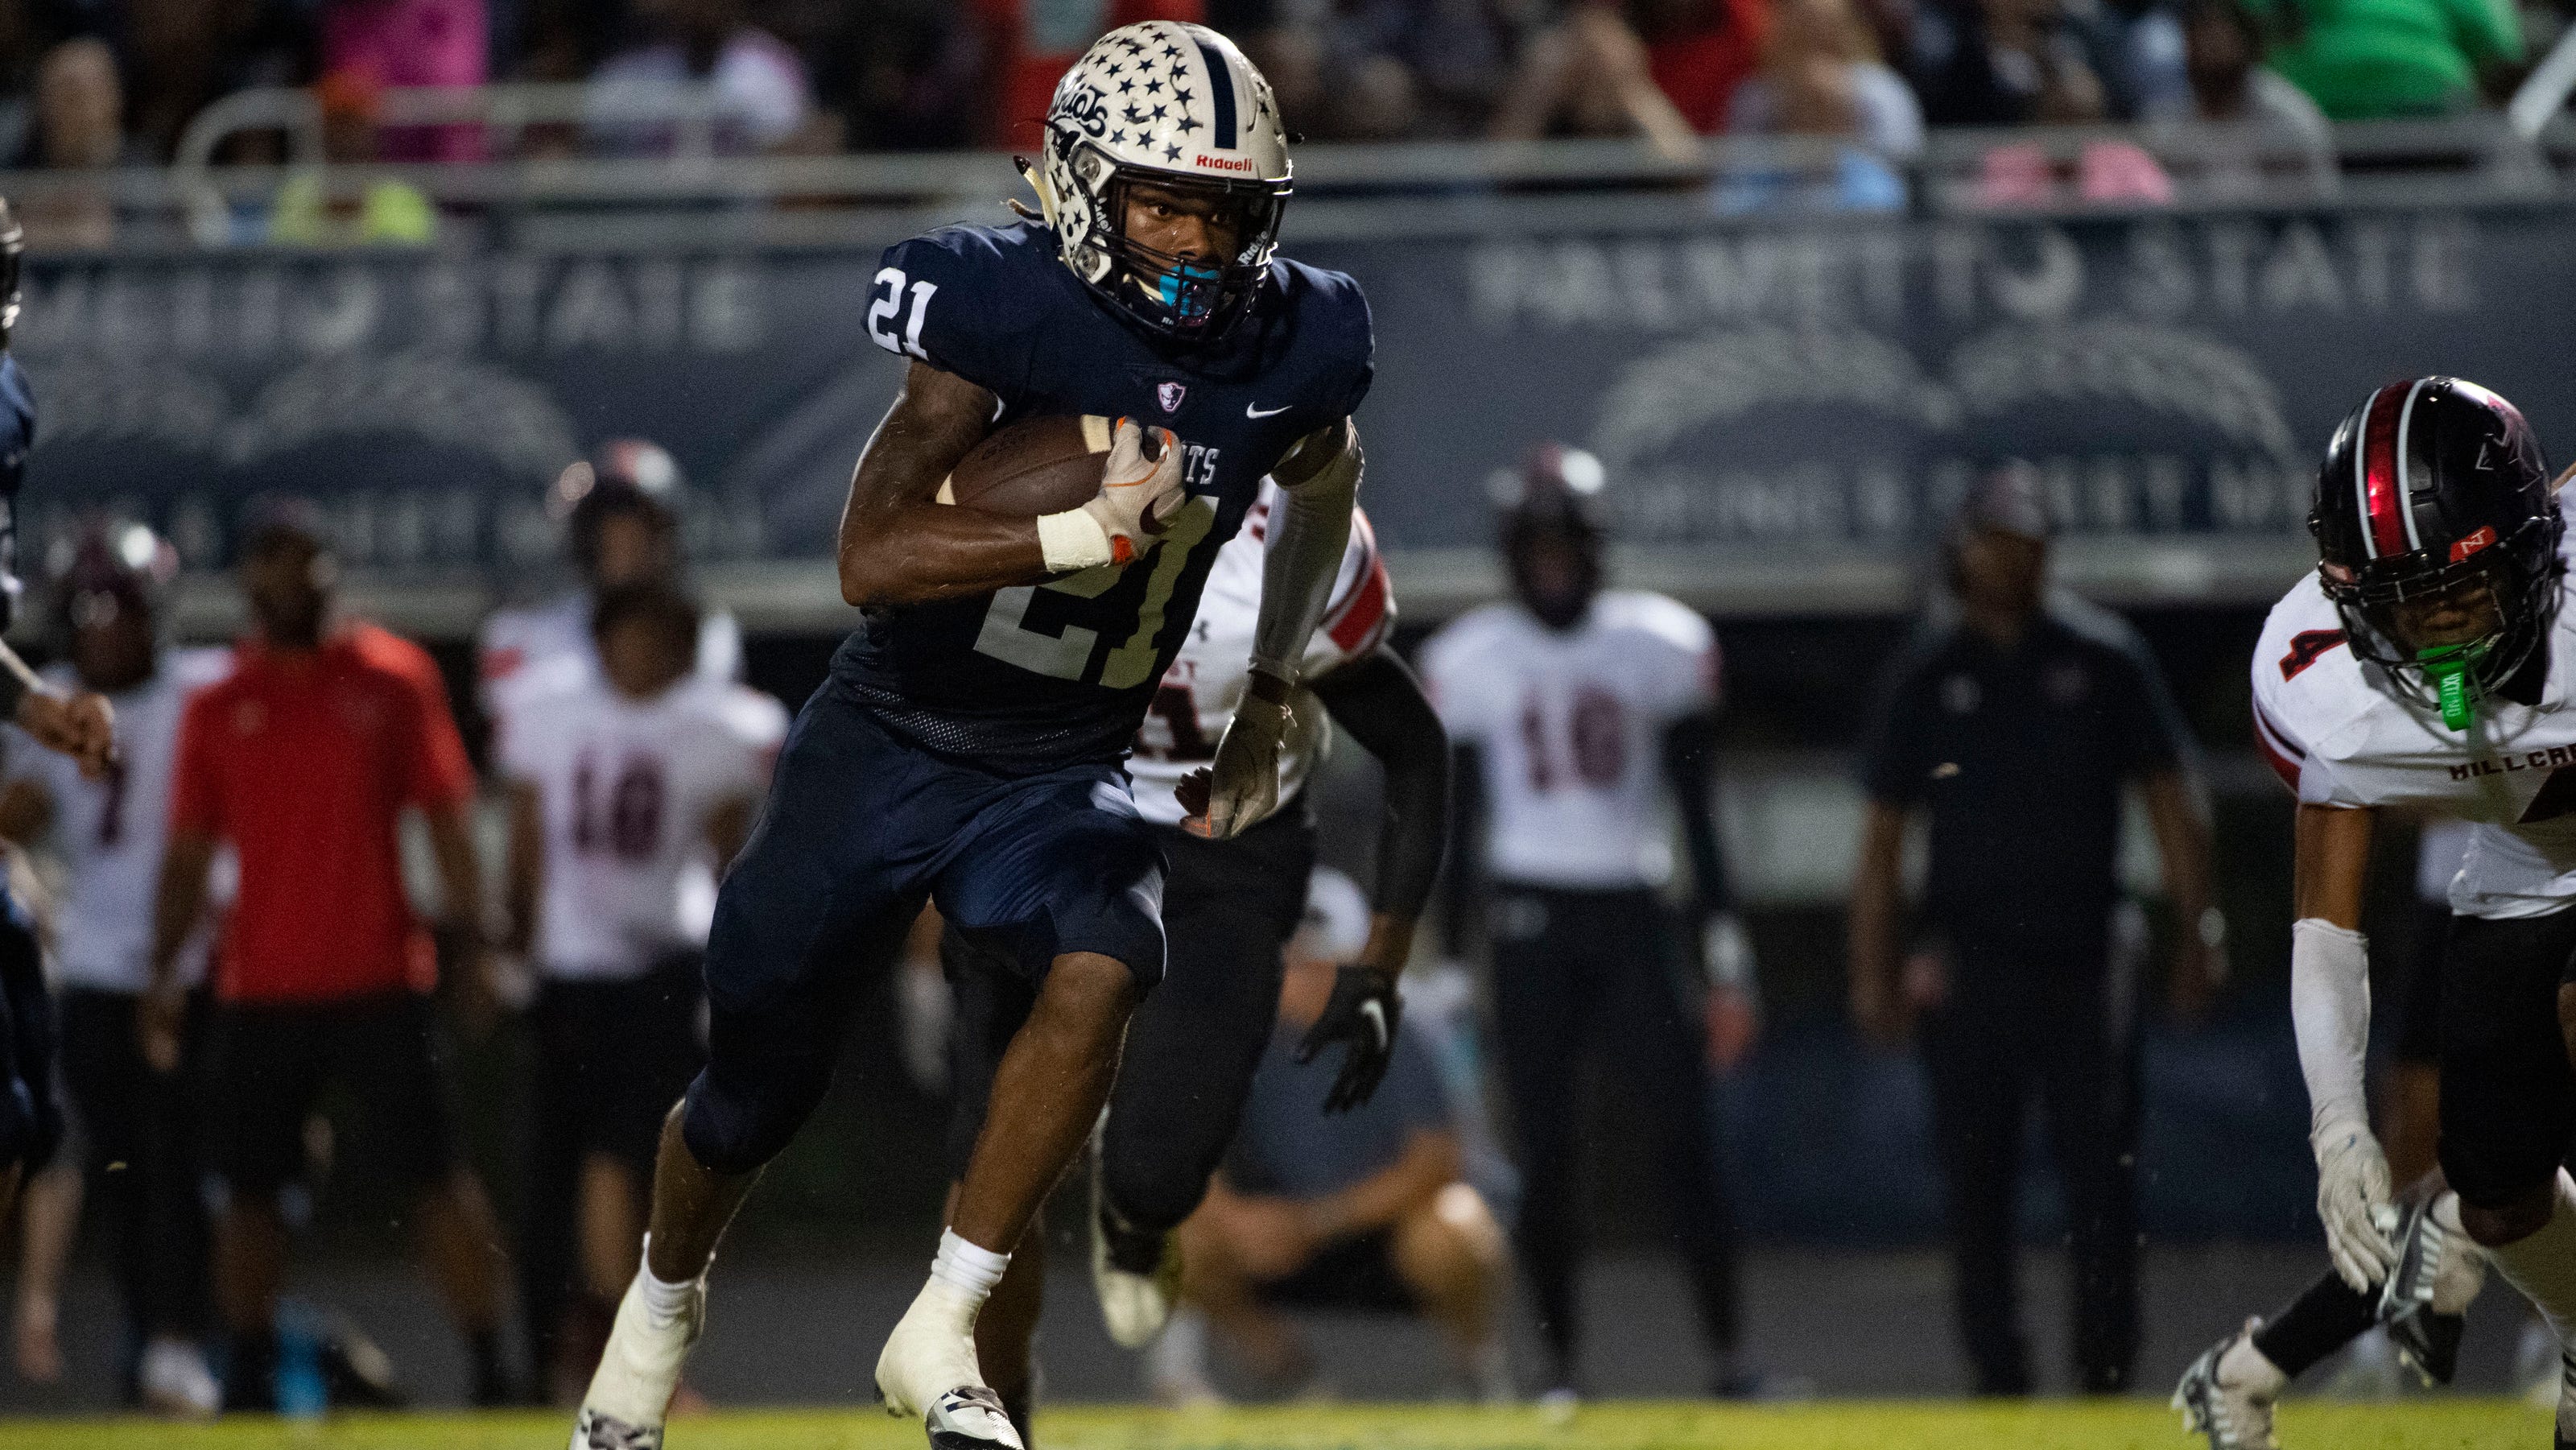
{"x": 1832, "y": 383}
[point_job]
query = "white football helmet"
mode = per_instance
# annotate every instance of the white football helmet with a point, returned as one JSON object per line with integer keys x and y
{"x": 1172, "y": 105}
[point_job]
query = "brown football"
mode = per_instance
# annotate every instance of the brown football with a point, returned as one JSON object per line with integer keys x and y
{"x": 1040, "y": 466}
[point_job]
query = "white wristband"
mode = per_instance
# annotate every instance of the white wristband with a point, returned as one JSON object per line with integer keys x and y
{"x": 1072, "y": 540}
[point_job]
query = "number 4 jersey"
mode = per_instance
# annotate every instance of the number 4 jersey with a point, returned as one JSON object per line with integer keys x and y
{"x": 1205, "y": 683}
{"x": 1570, "y": 724}
{"x": 2339, "y": 734}
{"x": 1029, "y": 678}
{"x": 624, "y": 791}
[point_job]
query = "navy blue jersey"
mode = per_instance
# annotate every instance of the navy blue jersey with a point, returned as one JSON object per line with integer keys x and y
{"x": 1037, "y": 676}
{"x": 17, "y": 436}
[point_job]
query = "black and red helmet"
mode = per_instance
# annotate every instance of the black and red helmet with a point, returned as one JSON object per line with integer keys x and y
{"x": 2436, "y": 490}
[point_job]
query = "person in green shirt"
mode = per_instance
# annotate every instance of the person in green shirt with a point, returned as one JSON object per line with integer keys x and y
{"x": 2367, "y": 59}
{"x": 393, "y": 212}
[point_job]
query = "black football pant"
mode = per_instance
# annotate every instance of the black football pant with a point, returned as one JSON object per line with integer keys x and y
{"x": 1590, "y": 975}
{"x": 2041, "y": 1014}
{"x": 141, "y": 1165}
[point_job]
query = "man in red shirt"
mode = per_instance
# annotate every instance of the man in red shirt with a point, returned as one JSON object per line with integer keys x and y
{"x": 304, "y": 761}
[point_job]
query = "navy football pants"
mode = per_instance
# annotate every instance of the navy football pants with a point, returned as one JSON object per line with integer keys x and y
{"x": 861, "y": 827}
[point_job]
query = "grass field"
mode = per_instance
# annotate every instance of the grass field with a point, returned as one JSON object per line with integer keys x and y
{"x": 2433, "y": 1424}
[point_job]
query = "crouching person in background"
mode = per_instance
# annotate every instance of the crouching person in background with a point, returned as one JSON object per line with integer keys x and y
{"x": 1366, "y": 1210}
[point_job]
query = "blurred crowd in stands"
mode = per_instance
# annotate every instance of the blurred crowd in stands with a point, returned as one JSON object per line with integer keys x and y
{"x": 92, "y": 84}
{"x": 87, "y": 83}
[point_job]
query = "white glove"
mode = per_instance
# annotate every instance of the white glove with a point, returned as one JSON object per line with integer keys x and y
{"x": 2353, "y": 1200}
{"x": 1242, "y": 786}
{"x": 1137, "y": 495}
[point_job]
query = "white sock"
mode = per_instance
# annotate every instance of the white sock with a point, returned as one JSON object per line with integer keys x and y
{"x": 2543, "y": 1266}
{"x": 663, "y": 1300}
{"x": 969, "y": 1270}
{"x": 2464, "y": 1267}
{"x": 2247, "y": 1368}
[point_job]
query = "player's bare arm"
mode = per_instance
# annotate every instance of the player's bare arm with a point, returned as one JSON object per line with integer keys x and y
{"x": 80, "y": 724}
{"x": 186, "y": 860}
{"x": 1875, "y": 908}
{"x": 2181, "y": 827}
{"x": 899, "y": 545}
{"x": 460, "y": 877}
{"x": 728, "y": 827}
{"x": 523, "y": 874}
{"x": 25, "y": 811}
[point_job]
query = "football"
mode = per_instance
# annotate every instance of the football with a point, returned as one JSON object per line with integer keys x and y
{"x": 1040, "y": 466}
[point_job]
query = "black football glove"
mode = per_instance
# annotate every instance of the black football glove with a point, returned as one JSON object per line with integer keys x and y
{"x": 1364, "y": 1012}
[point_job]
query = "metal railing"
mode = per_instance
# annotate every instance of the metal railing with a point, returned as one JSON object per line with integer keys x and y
{"x": 694, "y": 195}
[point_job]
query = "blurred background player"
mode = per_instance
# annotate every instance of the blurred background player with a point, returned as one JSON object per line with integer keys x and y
{"x": 303, "y": 761}
{"x": 619, "y": 514}
{"x": 1364, "y": 1209}
{"x": 138, "y": 1125}
{"x": 78, "y": 724}
{"x": 619, "y": 781}
{"x": 1587, "y": 713}
{"x": 1228, "y": 908}
{"x": 2017, "y": 722}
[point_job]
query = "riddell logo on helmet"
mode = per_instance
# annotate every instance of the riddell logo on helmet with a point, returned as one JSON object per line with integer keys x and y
{"x": 1218, "y": 163}
{"x": 2483, "y": 538}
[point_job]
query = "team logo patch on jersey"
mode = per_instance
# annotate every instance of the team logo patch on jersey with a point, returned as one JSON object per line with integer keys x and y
{"x": 1170, "y": 395}
{"x": 2306, "y": 647}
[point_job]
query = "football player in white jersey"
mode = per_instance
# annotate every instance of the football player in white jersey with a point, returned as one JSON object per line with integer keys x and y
{"x": 1590, "y": 713}
{"x": 2429, "y": 666}
{"x": 619, "y": 528}
{"x": 1229, "y": 907}
{"x": 620, "y": 780}
{"x": 138, "y": 1129}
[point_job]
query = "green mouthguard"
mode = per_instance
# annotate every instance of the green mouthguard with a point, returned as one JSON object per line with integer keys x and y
{"x": 2448, "y": 669}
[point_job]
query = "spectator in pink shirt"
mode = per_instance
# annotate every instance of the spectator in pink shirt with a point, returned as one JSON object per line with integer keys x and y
{"x": 411, "y": 43}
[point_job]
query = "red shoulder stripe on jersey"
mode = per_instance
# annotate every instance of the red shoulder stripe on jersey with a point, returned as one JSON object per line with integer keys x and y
{"x": 2382, "y": 494}
{"x": 1343, "y": 621}
{"x": 2284, "y": 757}
{"x": 1367, "y": 610}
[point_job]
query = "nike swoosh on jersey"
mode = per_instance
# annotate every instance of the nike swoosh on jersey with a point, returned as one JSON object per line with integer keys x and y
{"x": 1250, "y": 411}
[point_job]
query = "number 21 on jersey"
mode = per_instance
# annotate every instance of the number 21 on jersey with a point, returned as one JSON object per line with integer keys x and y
{"x": 1066, "y": 655}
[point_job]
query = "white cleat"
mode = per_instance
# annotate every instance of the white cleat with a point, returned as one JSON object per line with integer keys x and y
{"x": 929, "y": 1372}
{"x": 174, "y": 1381}
{"x": 2225, "y": 1400}
{"x": 638, "y": 1372}
{"x": 1135, "y": 1272}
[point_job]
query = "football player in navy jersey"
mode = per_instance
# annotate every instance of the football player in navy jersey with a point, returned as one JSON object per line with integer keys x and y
{"x": 966, "y": 746}
{"x": 78, "y": 724}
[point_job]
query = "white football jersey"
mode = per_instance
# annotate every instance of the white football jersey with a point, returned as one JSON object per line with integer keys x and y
{"x": 517, "y": 650}
{"x": 1200, "y": 690}
{"x": 108, "y": 832}
{"x": 2338, "y": 739}
{"x": 1570, "y": 728}
{"x": 624, "y": 791}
